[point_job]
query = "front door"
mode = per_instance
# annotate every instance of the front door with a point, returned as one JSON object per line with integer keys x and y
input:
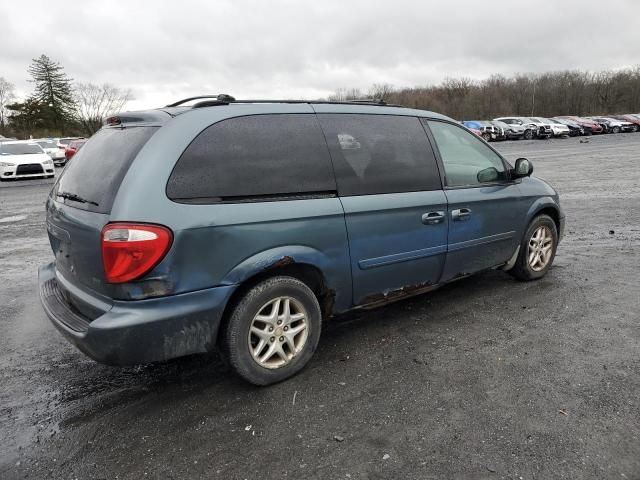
{"x": 395, "y": 209}
{"x": 484, "y": 206}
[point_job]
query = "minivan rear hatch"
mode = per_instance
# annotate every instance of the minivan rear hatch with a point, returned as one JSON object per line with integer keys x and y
{"x": 80, "y": 203}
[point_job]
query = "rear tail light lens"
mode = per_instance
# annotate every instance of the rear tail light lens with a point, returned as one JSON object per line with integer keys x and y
{"x": 129, "y": 251}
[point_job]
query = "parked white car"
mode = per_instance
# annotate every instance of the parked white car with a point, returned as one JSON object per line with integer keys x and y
{"x": 558, "y": 129}
{"x": 532, "y": 128}
{"x": 53, "y": 149}
{"x": 24, "y": 159}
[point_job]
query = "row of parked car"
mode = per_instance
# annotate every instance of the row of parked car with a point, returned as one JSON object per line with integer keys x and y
{"x": 515, "y": 128}
{"x": 35, "y": 158}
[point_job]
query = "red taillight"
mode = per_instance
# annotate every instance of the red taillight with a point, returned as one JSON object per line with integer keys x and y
{"x": 131, "y": 250}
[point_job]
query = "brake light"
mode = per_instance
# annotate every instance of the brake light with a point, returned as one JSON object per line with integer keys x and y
{"x": 129, "y": 251}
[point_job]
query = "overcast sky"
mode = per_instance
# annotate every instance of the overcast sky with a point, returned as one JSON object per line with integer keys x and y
{"x": 166, "y": 50}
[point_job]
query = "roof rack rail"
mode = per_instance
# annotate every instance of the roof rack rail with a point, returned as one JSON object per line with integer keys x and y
{"x": 221, "y": 98}
{"x": 374, "y": 101}
{"x": 224, "y": 99}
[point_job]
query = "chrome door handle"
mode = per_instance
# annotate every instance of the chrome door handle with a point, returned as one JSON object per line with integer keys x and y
{"x": 433, "y": 218}
{"x": 460, "y": 214}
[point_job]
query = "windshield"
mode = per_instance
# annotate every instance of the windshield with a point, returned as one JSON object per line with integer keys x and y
{"x": 47, "y": 143}
{"x": 19, "y": 148}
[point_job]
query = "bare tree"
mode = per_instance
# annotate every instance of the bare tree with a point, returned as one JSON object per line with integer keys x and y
{"x": 344, "y": 95}
{"x": 381, "y": 91}
{"x": 96, "y": 102}
{"x": 7, "y": 96}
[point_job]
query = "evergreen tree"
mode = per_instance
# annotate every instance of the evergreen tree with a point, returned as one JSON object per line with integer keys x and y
{"x": 53, "y": 91}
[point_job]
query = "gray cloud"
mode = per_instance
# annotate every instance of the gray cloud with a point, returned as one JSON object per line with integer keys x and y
{"x": 168, "y": 50}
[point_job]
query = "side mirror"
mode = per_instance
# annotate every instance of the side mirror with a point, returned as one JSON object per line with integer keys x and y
{"x": 487, "y": 175}
{"x": 523, "y": 168}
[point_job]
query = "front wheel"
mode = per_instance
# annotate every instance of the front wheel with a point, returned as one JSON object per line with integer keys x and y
{"x": 528, "y": 135}
{"x": 273, "y": 331}
{"x": 537, "y": 249}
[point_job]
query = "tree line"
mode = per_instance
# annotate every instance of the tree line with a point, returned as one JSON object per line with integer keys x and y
{"x": 542, "y": 95}
{"x": 58, "y": 106}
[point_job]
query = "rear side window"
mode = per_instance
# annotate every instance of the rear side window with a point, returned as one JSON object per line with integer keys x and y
{"x": 254, "y": 158}
{"x": 97, "y": 169}
{"x": 375, "y": 154}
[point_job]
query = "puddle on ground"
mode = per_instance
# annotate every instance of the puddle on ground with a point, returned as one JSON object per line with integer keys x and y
{"x": 15, "y": 218}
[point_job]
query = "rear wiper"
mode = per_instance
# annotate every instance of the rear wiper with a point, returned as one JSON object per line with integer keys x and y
{"x": 75, "y": 198}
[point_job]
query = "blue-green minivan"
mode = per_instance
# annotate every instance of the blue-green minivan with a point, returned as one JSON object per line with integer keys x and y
{"x": 243, "y": 225}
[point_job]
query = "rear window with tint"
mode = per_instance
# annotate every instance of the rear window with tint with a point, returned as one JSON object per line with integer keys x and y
{"x": 97, "y": 169}
{"x": 254, "y": 158}
{"x": 380, "y": 154}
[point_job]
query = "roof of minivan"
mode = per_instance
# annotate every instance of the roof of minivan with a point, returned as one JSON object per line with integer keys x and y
{"x": 161, "y": 115}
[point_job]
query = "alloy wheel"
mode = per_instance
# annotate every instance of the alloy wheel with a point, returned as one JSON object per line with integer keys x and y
{"x": 540, "y": 248}
{"x": 278, "y": 332}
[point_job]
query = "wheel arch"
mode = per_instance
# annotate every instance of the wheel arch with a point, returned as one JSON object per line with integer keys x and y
{"x": 304, "y": 263}
{"x": 545, "y": 206}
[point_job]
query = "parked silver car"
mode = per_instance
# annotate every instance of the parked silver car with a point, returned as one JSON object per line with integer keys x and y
{"x": 533, "y": 129}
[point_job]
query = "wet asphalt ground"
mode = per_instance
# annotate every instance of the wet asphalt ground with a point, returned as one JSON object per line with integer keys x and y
{"x": 487, "y": 378}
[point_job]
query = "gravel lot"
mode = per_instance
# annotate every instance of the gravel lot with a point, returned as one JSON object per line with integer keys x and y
{"x": 485, "y": 378}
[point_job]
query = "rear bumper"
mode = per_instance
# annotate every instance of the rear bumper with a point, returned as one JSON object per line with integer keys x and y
{"x": 135, "y": 332}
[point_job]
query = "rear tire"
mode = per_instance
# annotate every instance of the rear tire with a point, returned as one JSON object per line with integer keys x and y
{"x": 537, "y": 249}
{"x": 263, "y": 340}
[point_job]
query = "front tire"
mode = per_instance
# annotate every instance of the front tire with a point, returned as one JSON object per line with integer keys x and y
{"x": 537, "y": 249}
{"x": 272, "y": 331}
{"x": 528, "y": 135}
